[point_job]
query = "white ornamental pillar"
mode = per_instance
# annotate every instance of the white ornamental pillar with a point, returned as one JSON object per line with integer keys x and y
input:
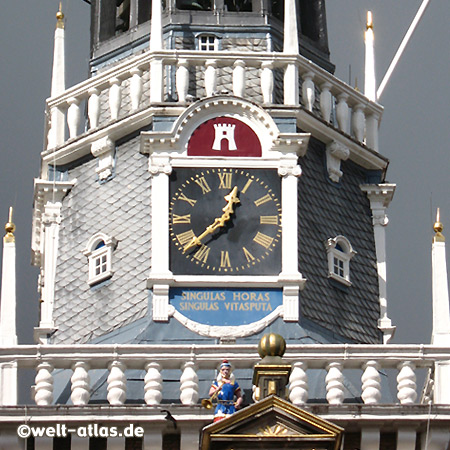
{"x": 290, "y": 46}
{"x": 380, "y": 196}
{"x": 441, "y": 313}
{"x": 189, "y": 384}
{"x": 156, "y": 44}
{"x": 369, "y": 73}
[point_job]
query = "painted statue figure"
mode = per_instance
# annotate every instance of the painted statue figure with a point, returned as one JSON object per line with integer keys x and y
{"x": 226, "y": 389}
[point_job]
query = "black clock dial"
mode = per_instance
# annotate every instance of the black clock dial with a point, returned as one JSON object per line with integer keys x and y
{"x": 225, "y": 221}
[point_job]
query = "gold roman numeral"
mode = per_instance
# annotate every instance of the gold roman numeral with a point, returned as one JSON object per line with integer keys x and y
{"x": 182, "y": 219}
{"x": 225, "y": 180}
{"x": 202, "y": 254}
{"x": 262, "y": 200}
{"x": 224, "y": 259}
{"x": 268, "y": 220}
{"x": 248, "y": 255}
{"x": 186, "y": 199}
{"x": 247, "y": 185}
{"x": 203, "y": 184}
{"x": 184, "y": 238}
{"x": 263, "y": 239}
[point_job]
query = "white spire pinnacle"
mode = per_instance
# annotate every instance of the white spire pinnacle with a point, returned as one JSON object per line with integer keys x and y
{"x": 369, "y": 72}
{"x": 59, "y": 71}
{"x": 290, "y": 43}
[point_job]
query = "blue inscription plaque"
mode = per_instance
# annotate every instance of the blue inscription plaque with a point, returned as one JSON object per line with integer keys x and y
{"x": 225, "y": 307}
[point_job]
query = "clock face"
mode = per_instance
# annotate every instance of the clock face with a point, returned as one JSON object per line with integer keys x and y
{"x": 225, "y": 221}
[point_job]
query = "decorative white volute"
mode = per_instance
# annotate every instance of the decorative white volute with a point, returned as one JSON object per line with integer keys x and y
{"x": 115, "y": 97}
{"x": 211, "y": 77}
{"x": 189, "y": 384}
{"x": 73, "y": 116}
{"x": 153, "y": 384}
{"x": 117, "y": 383}
{"x": 80, "y": 384}
{"x": 44, "y": 384}
{"x": 182, "y": 80}
{"x": 336, "y": 153}
{"x": 136, "y": 88}
{"x": 267, "y": 82}
{"x": 239, "y": 78}
{"x": 298, "y": 384}
{"x": 103, "y": 149}
{"x": 94, "y": 107}
{"x": 308, "y": 93}
{"x": 325, "y": 101}
{"x": 335, "y": 384}
{"x": 371, "y": 383}
{"x": 406, "y": 383}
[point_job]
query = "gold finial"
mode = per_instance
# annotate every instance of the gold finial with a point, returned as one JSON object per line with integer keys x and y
{"x": 438, "y": 228}
{"x": 10, "y": 227}
{"x": 369, "y": 25}
{"x": 60, "y": 17}
{"x": 356, "y": 84}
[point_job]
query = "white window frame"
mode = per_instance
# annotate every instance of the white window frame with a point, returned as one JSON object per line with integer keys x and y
{"x": 339, "y": 260}
{"x": 101, "y": 256}
{"x": 210, "y": 46}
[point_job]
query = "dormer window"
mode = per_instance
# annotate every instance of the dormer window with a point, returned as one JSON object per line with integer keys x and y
{"x": 99, "y": 253}
{"x": 208, "y": 43}
{"x": 340, "y": 252}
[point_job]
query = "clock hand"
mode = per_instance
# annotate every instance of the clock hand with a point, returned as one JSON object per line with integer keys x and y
{"x": 231, "y": 199}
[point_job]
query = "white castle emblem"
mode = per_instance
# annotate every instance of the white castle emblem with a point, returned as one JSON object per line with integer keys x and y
{"x": 224, "y": 131}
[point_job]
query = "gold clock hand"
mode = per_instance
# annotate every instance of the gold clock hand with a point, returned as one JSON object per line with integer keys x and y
{"x": 231, "y": 199}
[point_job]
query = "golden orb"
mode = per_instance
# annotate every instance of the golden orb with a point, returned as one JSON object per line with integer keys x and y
{"x": 59, "y": 15}
{"x": 438, "y": 227}
{"x": 272, "y": 344}
{"x": 10, "y": 227}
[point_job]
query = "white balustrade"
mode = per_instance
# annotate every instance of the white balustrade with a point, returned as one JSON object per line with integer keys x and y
{"x": 372, "y": 122}
{"x": 182, "y": 80}
{"x": 153, "y": 384}
{"x": 80, "y": 382}
{"x": 189, "y": 384}
{"x": 406, "y": 383}
{"x": 44, "y": 384}
{"x": 117, "y": 383}
{"x": 358, "y": 122}
{"x": 308, "y": 93}
{"x": 211, "y": 77}
{"x": 342, "y": 112}
{"x": 325, "y": 101}
{"x": 267, "y": 82}
{"x": 298, "y": 384}
{"x": 239, "y": 78}
{"x": 371, "y": 383}
{"x": 136, "y": 88}
{"x": 335, "y": 384}
{"x": 73, "y": 116}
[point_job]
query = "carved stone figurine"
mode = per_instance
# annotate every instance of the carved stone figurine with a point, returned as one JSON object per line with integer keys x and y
{"x": 225, "y": 389}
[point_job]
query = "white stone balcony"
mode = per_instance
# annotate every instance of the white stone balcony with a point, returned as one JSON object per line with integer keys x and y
{"x": 337, "y": 360}
{"x": 177, "y": 77}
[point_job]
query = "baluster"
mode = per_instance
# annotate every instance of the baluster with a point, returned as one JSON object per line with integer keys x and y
{"x": 342, "y": 112}
{"x": 308, "y": 94}
{"x": 182, "y": 80}
{"x": 73, "y": 116}
{"x": 371, "y": 383}
{"x": 210, "y": 77}
{"x": 153, "y": 384}
{"x": 406, "y": 383}
{"x": 189, "y": 384}
{"x": 325, "y": 101}
{"x": 80, "y": 384}
{"x": 372, "y": 131}
{"x": 135, "y": 88}
{"x": 115, "y": 97}
{"x": 94, "y": 107}
{"x": 358, "y": 122}
{"x": 267, "y": 82}
{"x": 44, "y": 384}
{"x": 239, "y": 78}
{"x": 117, "y": 383}
{"x": 335, "y": 386}
{"x": 298, "y": 384}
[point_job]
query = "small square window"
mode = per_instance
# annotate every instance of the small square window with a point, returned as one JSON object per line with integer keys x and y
{"x": 207, "y": 43}
{"x": 340, "y": 252}
{"x": 99, "y": 253}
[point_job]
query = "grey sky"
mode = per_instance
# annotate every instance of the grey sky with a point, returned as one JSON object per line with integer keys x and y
{"x": 414, "y": 132}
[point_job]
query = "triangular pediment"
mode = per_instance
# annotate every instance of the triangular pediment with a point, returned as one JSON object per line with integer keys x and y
{"x": 271, "y": 423}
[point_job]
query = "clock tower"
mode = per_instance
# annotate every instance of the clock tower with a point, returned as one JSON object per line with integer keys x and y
{"x": 222, "y": 184}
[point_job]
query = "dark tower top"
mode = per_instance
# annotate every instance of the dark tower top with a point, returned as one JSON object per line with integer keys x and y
{"x": 121, "y": 26}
